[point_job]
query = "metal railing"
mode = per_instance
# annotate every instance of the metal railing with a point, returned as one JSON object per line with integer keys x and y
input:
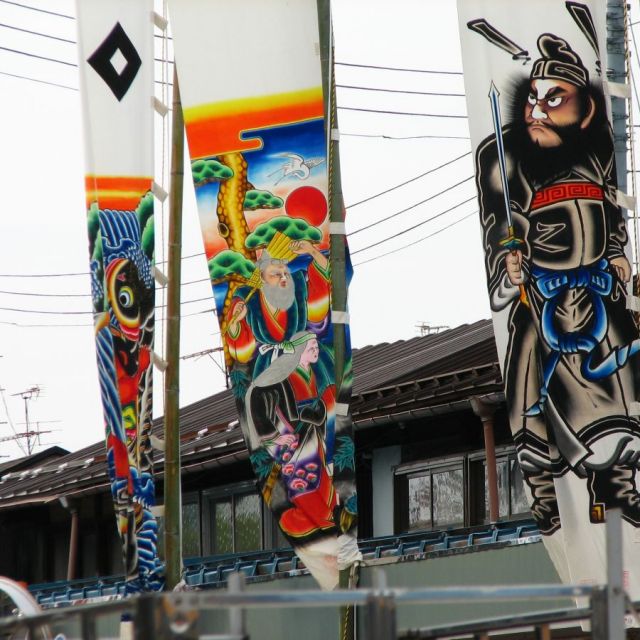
{"x": 176, "y": 615}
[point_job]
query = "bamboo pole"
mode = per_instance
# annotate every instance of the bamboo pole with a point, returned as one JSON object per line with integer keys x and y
{"x": 172, "y": 488}
{"x": 348, "y": 576}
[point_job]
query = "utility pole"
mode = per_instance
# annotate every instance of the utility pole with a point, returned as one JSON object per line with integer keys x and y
{"x": 172, "y": 484}
{"x": 348, "y": 577}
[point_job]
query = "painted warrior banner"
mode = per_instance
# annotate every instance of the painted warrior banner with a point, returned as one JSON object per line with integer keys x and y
{"x": 558, "y": 269}
{"x": 254, "y": 115}
{"x": 116, "y": 71}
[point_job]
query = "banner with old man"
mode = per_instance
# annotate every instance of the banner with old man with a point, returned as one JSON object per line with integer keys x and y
{"x": 254, "y": 114}
{"x": 558, "y": 268}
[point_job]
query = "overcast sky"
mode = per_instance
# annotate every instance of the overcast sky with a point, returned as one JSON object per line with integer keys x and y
{"x": 439, "y": 280}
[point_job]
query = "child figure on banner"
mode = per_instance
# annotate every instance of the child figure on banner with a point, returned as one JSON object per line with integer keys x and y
{"x": 287, "y": 416}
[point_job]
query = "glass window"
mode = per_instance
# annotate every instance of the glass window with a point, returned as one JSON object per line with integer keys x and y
{"x": 191, "y": 529}
{"x": 519, "y": 500}
{"x": 511, "y": 495}
{"x": 435, "y": 498}
{"x": 234, "y": 523}
{"x": 222, "y": 527}
{"x": 420, "y": 502}
{"x": 248, "y": 520}
{"x": 448, "y": 497}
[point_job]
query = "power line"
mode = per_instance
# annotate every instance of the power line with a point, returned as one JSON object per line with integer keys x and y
{"x": 53, "y": 84}
{"x": 417, "y": 93}
{"x": 51, "y": 13}
{"x": 80, "y": 295}
{"x": 406, "y": 246}
{"x": 404, "y": 113}
{"x": 35, "y": 55}
{"x": 36, "y": 33}
{"x": 84, "y": 313}
{"x": 413, "y": 206}
{"x": 57, "y": 326}
{"x": 415, "y": 226}
{"x": 372, "y": 66}
{"x": 402, "y": 184}
{"x": 386, "y": 137}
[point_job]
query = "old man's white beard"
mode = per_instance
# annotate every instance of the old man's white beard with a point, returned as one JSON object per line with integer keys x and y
{"x": 279, "y": 297}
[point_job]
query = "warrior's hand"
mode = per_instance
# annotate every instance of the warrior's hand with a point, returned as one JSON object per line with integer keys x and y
{"x": 621, "y": 268}
{"x": 513, "y": 264}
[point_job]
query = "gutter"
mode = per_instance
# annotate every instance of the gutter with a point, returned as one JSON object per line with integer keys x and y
{"x": 496, "y": 397}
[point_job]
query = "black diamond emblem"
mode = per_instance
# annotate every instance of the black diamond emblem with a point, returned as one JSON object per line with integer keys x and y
{"x": 100, "y": 60}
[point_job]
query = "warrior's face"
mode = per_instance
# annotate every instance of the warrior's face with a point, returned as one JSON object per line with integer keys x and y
{"x": 553, "y": 106}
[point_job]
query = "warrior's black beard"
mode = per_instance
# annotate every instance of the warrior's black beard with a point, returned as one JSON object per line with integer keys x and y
{"x": 542, "y": 165}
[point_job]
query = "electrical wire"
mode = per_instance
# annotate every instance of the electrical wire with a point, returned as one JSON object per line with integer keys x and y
{"x": 81, "y": 295}
{"x": 415, "y": 226}
{"x": 46, "y": 326}
{"x": 413, "y": 206}
{"x": 404, "y": 113}
{"x": 406, "y": 246}
{"x": 417, "y": 93}
{"x": 85, "y": 313}
{"x": 36, "y": 33}
{"x": 372, "y": 66}
{"x": 386, "y": 137}
{"x": 402, "y": 184}
{"x": 53, "y": 84}
{"x": 35, "y": 55}
{"x": 38, "y": 9}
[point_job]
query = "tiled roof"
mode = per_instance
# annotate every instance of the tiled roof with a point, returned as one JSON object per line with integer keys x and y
{"x": 402, "y": 378}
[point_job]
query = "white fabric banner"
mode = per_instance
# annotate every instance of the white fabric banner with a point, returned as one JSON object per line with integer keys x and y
{"x": 116, "y": 80}
{"x": 254, "y": 116}
{"x": 558, "y": 266}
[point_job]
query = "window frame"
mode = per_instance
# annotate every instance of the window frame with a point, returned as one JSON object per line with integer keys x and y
{"x": 472, "y": 464}
{"x": 404, "y": 472}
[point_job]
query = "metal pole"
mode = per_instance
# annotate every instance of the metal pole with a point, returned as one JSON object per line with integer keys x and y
{"x": 615, "y": 588}
{"x": 172, "y": 490}
{"x": 73, "y": 544}
{"x": 486, "y": 412}
{"x": 237, "y": 618}
{"x": 381, "y": 610}
{"x": 616, "y": 72}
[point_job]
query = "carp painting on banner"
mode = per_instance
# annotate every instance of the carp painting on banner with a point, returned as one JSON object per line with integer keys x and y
{"x": 558, "y": 269}
{"x": 116, "y": 72}
{"x": 254, "y": 115}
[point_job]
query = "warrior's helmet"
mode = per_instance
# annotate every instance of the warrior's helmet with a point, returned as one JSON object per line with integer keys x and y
{"x": 559, "y": 62}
